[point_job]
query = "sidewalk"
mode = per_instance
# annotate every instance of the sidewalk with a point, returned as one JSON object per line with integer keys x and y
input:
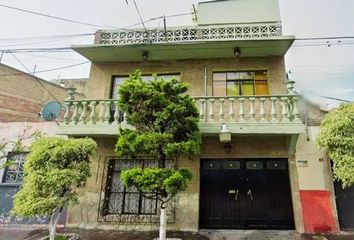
{"x": 30, "y": 233}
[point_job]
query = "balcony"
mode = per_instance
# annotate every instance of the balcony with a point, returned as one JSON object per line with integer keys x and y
{"x": 190, "y": 34}
{"x": 271, "y": 115}
{"x": 187, "y": 42}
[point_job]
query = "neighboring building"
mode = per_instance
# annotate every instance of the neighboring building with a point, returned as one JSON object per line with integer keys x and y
{"x": 11, "y": 176}
{"x": 23, "y": 95}
{"x": 78, "y": 83}
{"x": 271, "y": 175}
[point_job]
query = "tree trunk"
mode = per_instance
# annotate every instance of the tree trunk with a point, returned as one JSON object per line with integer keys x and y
{"x": 53, "y": 223}
{"x": 161, "y": 159}
{"x": 162, "y": 233}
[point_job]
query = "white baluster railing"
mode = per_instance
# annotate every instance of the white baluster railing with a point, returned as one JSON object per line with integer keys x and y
{"x": 272, "y": 109}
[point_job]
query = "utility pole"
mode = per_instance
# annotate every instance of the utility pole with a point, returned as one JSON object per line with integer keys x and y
{"x": 2, "y": 54}
{"x": 165, "y": 27}
{"x": 34, "y": 70}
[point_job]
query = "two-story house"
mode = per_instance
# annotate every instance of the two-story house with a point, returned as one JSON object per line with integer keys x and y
{"x": 270, "y": 175}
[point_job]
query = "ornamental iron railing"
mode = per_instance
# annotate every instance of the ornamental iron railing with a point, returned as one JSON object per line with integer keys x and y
{"x": 190, "y": 34}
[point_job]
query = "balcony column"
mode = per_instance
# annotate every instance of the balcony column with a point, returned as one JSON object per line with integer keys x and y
{"x": 75, "y": 116}
{"x": 252, "y": 113}
{"x": 284, "y": 111}
{"x": 93, "y": 112}
{"x": 211, "y": 112}
{"x": 296, "y": 112}
{"x": 107, "y": 115}
{"x": 125, "y": 118}
{"x": 231, "y": 110}
{"x": 221, "y": 113}
{"x": 101, "y": 116}
{"x": 67, "y": 113}
{"x": 262, "y": 111}
{"x": 116, "y": 114}
{"x": 70, "y": 97}
{"x": 273, "y": 112}
{"x": 242, "y": 113}
{"x": 83, "y": 116}
{"x": 202, "y": 110}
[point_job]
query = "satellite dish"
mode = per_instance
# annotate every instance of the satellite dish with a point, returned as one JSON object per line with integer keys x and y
{"x": 51, "y": 111}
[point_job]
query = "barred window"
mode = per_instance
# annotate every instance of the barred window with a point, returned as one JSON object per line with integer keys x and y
{"x": 14, "y": 168}
{"x": 120, "y": 200}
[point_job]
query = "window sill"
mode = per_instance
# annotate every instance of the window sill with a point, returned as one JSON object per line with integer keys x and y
{"x": 10, "y": 184}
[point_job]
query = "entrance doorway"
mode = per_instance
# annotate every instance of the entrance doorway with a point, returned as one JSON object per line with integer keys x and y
{"x": 245, "y": 194}
{"x": 345, "y": 200}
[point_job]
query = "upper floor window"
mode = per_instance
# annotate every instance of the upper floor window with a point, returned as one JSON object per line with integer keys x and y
{"x": 118, "y": 80}
{"x": 240, "y": 83}
{"x": 14, "y": 168}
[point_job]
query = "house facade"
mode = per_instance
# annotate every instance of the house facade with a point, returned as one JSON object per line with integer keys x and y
{"x": 270, "y": 176}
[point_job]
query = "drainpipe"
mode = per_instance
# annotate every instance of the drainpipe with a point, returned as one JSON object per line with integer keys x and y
{"x": 205, "y": 81}
{"x": 306, "y": 118}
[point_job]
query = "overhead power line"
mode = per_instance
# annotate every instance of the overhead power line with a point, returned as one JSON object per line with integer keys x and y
{"x": 65, "y": 36}
{"x": 337, "y": 99}
{"x": 47, "y": 70}
{"x": 38, "y": 80}
{"x": 55, "y": 17}
{"x": 141, "y": 19}
{"x": 36, "y": 42}
{"x": 324, "y": 38}
{"x": 157, "y": 18}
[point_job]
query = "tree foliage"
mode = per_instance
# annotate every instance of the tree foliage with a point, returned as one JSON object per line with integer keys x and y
{"x": 157, "y": 182}
{"x": 165, "y": 124}
{"x": 337, "y": 138}
{"x": 164, "y": 117}
{"x": 54, "y": 169}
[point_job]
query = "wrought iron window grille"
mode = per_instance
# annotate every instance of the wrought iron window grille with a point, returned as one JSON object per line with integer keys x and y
{"x": 14, "y": 169}
{"x": 121, "y": 205}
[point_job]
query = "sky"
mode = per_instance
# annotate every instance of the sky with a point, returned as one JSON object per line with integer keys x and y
{"x": 317, "y": 70}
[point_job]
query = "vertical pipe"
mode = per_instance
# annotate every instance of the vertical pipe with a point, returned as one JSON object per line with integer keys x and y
{"x": 2, "y": 54}
{"x": 205, "y": 81}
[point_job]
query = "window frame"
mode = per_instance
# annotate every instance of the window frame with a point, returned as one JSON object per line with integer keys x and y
{"x": 240, "y": 81}
{"x": 20, "y": 165}
{"x": 143, "y": 75}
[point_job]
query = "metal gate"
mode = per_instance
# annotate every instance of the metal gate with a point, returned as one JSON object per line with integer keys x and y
{"x": 345, "y": 206}
{"x": 245, "y": 194}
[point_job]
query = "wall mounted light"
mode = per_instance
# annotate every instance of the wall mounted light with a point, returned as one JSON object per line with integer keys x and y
{"x": 225, "y": 137}
{"x": 145, "y": 55}
{"x": 237, "y": 52}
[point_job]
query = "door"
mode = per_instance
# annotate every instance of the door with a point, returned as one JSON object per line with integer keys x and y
{"x": 245, "y": 194}
{"x": 345, "y": 209}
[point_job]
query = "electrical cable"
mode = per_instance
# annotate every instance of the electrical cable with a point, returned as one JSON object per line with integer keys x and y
{"x": 141, "y": 19}
{"x": 47, "y": 70}
{"x": 47, "y": 37}
{"x": 38, "y": 80}
{"x": 58, "y": 18}
{"x": 37, "y": 42}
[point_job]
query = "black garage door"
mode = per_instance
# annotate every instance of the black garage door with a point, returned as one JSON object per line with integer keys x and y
{"x": 245, "y": 194}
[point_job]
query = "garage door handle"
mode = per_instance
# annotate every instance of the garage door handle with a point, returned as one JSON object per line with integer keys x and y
{"x": 236, "y": 195}
{"x": 249, "y": 192}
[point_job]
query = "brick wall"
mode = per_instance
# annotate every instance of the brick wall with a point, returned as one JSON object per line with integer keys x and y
{"x": 22, "y": 96}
